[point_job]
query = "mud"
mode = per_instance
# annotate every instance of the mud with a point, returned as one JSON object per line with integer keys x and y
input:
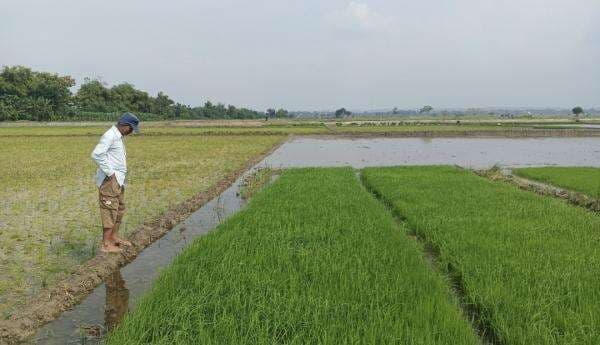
{"x": 575, "y": 198}
{"x": 51, "y": 302}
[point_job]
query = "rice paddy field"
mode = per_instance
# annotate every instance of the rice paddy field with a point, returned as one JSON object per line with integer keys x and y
{"x": 408, "y": 255}
{"x": 266, "y": 128}
{"x": 527, "y": 264}
{"x": 583, "y": 180}
{"x": 314, "y": 259}
{"x": 50, "y": 220}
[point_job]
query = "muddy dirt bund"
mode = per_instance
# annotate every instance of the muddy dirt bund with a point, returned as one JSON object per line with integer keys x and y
{"x": 476, "y": 153}
{"x": 573, "y": 197}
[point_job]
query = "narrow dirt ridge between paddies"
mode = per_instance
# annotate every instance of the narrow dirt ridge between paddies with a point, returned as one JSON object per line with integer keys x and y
{"x": 578, "y": 185}
{"x": 314, "y": 258}
{"x": 528, "y": 264}
{"x": 579, "y": 179}
{"x": 542, "y": 188}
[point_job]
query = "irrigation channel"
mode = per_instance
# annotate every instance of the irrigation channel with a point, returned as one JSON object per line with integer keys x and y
{"x": 104, "y": 308}
{"x": 88, "y": 322}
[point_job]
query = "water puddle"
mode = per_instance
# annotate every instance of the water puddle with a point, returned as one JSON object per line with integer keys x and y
{"x": 105, "y": 307}
{"x": 573, "y": 125}
{"x": 477, "y": 153}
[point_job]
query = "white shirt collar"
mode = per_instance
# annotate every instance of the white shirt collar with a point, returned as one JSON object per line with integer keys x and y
{"x": 117, "y": 132}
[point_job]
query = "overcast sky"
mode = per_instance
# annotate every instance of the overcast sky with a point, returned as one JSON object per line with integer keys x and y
{"x": 319, "y": 54}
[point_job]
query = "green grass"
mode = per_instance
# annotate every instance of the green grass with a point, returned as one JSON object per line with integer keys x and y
{"x": 529, "y": 263}
{"x": 313, "y": 259}
{"x": 583, "y": 180}
{"x": 252, "y": 183}
{"x": 50, "y": 218}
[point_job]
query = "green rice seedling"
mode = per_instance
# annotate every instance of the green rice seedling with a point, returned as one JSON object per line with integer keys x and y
{"x": 252, "y": 183}
{"x": 313, "y": 259}
{"x": 585, "y": 180}
{"x": 530, "y": 265}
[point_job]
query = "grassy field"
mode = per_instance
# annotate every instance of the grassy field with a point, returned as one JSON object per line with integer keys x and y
{"x": 313, "y": 259}
{"x": 164, "y": 130}
{"x": 583, "y": 180}
{"x": 50, "y": 219}
{"x": 528, "y": 263}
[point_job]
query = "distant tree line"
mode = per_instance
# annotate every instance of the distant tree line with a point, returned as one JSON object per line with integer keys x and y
{"x": 280, "y": 113}
{"x": 42, "y": 96}
{"x": 342, "y": 112}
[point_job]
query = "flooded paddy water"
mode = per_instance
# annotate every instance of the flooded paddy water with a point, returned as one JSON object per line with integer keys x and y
{"x": 477, "y": 153}
{"x": 89, "y": 321}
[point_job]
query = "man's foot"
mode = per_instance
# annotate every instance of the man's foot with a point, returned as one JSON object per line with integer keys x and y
{"x": 110, "y": 248}
{"x": 121, "y": 242}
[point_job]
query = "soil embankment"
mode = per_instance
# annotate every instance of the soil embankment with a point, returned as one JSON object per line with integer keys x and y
{"x": 575, "y": 198}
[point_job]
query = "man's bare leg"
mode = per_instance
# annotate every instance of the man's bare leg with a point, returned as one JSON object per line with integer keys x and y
{"x": 108, "y": 245}
{"x": 114, "y": 235}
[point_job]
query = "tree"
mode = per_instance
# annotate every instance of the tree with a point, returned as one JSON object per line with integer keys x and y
{"x": 281, "y": 113}
{"x": 270, "y": 113}
{"x": 94, "y": 96}
{"x": 53, "y": 89}
{"x": 426, "y": 109}
{"x": 577, "y": 111}
{"x": 395, "y": 111}
{"x": 30, "y": 95}
{"x": 342, "y": 112}
{"x": 163, "y": 104}
{"x": 231, "y": 111}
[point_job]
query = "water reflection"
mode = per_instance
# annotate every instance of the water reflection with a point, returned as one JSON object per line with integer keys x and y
{"x": 117, "y": 300}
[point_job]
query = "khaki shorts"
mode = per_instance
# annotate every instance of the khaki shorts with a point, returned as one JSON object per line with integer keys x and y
{"x": 112, "y": 203}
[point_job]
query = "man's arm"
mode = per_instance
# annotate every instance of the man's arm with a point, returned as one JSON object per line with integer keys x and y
{"x": 99, "y": 154}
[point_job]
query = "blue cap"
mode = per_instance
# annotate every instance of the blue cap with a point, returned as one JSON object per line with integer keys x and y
{"x": 131, "y": 120}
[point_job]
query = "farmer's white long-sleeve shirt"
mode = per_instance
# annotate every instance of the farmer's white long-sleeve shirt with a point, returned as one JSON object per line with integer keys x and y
{"x": 110, "y": 156}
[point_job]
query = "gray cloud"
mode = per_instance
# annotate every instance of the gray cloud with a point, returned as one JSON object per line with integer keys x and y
{"x": 320, "y": 54}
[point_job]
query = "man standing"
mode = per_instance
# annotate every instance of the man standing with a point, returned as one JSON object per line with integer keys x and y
{"x": 111, "y": 158}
